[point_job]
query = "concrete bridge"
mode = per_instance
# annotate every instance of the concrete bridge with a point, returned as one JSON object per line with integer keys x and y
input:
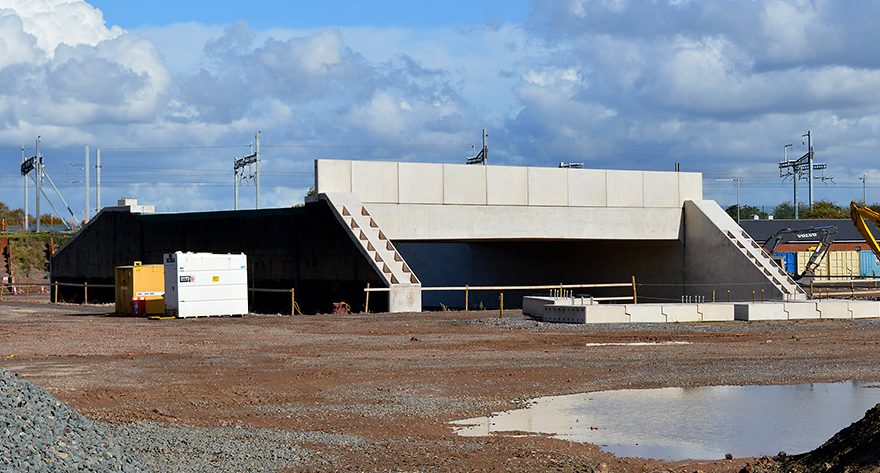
{"x": 458, "y": 225}
{"x": 405, "y": 226}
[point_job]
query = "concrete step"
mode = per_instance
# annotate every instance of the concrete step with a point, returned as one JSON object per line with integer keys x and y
{"x": 366, "y": 231}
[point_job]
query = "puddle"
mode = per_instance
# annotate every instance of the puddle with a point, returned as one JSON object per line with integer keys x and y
{"x": 691, "y": 423}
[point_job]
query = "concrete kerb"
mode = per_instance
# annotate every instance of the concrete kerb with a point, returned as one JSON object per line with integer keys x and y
{"x": 551, "y": 309}
{"x": 681, "y": 313}
{"x": 759, "y": 311}
{"x": 716, "y": 312}
{"x": 606, "y": 313}
{"x": 864, "y": 309}
{"x": 833, "y": 309}
{"x": 645, "y": 313}
{"x": 800, "y": 310}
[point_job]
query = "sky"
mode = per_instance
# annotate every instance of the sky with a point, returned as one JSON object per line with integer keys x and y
{"x": 172, "y": 92}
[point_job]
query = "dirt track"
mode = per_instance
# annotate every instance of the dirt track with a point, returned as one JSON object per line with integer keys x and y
{"x": 390, "y": 383}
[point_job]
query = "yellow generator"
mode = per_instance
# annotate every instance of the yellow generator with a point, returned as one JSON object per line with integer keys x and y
{"x": 140, "y": 289}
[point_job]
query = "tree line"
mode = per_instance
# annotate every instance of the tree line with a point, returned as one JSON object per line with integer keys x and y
{"x": 16, "y": 216}
{"x": 822, "y": 209}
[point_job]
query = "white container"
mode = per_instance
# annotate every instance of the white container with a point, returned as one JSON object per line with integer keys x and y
{"x": 205, "y": 284}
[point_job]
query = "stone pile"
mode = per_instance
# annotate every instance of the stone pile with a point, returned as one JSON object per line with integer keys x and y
{"x": 40, "y": 433}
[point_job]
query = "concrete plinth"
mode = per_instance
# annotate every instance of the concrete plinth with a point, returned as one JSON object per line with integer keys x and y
{"x": 833, "y": 309}
{"x": 565, "y": 314}
{"x": 534, "y": 305}
{"x": 645, "y": 313}
{"x": 800, "y": 310}
{"x": 864, "y": 309}
{"x": 716, "y": 312}
{"x": 759, "y": 311}
{"x": 681, "y": 313}
{"x": 606, "y": 313}
{"x": 405, "y": 298}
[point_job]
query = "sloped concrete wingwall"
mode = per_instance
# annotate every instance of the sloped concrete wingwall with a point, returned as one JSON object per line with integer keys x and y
{"x": 303, "y": 248}
{"x": 713, "y": 262}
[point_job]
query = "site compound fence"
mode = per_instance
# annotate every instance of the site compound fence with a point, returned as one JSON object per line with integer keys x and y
{"x": 851, "y": 288}
{"x": 556, "y": 290}
{"x": 26, "y": 290}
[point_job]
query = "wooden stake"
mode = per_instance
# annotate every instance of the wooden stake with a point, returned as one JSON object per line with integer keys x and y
{"x": 292, "y": 302}
{"x": 501, "y": 308}
{"x": 56, "y": 292}
{"x": 635, "y": 294}
{"x": 466, "y": 306}
{"x": 367, "y": 302}
{"x": 86, "y": 292}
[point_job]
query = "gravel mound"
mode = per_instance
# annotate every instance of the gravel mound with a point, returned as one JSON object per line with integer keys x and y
{"x": 40, "y": 433}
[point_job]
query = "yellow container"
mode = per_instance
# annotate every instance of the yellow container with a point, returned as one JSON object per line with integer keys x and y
{"x": 835, "y": 263}
{"x": 140, "y": 280}
{"x": 844, "y": 263}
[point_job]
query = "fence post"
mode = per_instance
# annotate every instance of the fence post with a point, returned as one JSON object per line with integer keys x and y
{"x": 56, "y": 292}
{"x": 753, "y": 296}
{"x": 713, "y": 295}
{"x": 292, "y": 303}
{"x": 367, "y": 301}
{"x": 466, "y": 305}
{"x": 86, "y": 292}
{"x": 501, "y": 306}
{"x": 762, "y": 294}
{"x": 635, "y": 294}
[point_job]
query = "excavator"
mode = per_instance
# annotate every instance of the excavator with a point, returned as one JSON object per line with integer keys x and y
{"x": 825, "y": 235}
{"x": 860, "y": 215}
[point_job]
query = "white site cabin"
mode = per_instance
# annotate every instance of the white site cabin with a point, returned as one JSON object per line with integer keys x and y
{"x": 205, "y": 284}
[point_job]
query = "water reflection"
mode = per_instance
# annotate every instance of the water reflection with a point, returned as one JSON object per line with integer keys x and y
{"x": 691, "y": 423}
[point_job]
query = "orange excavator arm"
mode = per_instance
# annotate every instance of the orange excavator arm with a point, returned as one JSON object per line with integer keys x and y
{"x": 859, "y": 214}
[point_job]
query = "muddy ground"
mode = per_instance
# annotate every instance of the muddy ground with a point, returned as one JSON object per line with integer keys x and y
{"x": 375, "y": 392}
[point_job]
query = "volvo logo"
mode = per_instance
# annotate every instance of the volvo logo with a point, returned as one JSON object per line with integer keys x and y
{"x": 807, "y": 235}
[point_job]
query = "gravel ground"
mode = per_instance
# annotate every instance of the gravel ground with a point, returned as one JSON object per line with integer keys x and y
{"x": 377, "y": 392}
{"x": 180, "y": 448}
{"x": 42, "y": 434}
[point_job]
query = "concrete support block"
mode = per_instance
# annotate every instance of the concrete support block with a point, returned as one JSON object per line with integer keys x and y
{"x": 507, "y": 185}
{"x": 690, "y": 186}
{"x": 716, "y": 312}
{"x": 645, "y": 313}
{"x": 375, "y": 181}
{"x": 548, "y": 187}
{"x": 759, "y": 311}
{"x": 606, "y": 313}
{"x": 681, "y": 313}
{"x": 463, "y": 184}
{"x": 660, "y": 189}
{"x": 534, "y": 305}
{"x": 420, "y": 183}
{"x": 332, "y": 176}
{"x": 800, "y": 310}
{"x": 565, "y": 314}
{"x": 833, "y": 309}
{"x": 864, "y": 309}
{"x": 586, "y": 188}
{"x": 405, "y": 298}
{"x": 624, "y": 188}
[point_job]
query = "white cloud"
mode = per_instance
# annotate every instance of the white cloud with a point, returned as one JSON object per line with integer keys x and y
{"x": 718, "y": 86}
{"x": 57, "y": 22}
